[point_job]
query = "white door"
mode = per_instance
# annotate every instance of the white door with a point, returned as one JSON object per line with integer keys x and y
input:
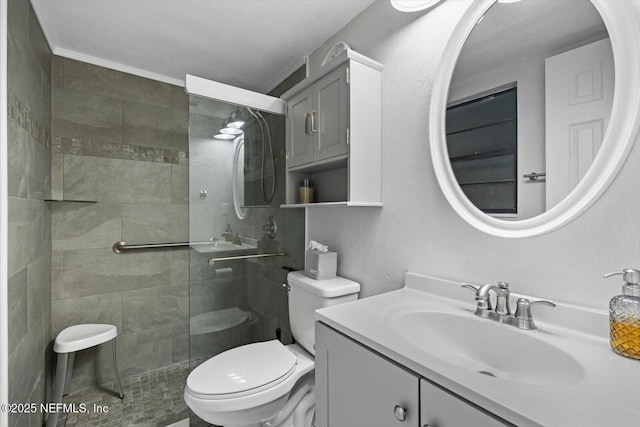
{"x": 579, "y": 93}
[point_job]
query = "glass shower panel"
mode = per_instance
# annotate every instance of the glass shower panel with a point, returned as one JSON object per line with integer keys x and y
{"x": 235, "y": 185}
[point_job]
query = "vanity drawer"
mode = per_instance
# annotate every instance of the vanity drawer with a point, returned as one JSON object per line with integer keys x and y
{"x": 441, "y": 408}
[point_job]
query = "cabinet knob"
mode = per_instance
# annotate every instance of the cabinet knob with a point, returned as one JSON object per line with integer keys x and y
{"x": 400, "y": 413}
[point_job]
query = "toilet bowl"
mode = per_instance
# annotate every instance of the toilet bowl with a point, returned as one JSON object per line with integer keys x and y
{"x": 268, "y": 384}
{"x": 248, "y": 385}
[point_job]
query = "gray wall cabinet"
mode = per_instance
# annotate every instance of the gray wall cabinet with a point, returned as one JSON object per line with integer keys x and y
{"x": 333, "y": 134}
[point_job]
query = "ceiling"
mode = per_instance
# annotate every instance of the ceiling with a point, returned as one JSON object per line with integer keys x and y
{"x": 251, "y": 44}
{"x": 511, "y": 33}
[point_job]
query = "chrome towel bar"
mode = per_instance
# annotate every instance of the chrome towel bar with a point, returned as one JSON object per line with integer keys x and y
{"x": 231, "y": 258}
{"x": 121, "y": 246}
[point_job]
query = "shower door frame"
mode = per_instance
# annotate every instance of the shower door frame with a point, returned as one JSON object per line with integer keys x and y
{"x": 233, "y": 95}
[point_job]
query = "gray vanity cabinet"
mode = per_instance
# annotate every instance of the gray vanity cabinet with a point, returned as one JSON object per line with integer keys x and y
{"x": 441, "y": 408}
{"x": 318, "y": 117}
{"x": 357, "y": 387}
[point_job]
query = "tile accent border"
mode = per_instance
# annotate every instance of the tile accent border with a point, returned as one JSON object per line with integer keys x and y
{"x": 22, "y": 116}
{"x": 82, "y": 147}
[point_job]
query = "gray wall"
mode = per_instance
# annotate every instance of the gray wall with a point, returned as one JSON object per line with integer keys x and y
{"x": 418, "y": 231}
{"x": 121, "y": 141}
{"x": 29, "y": 160}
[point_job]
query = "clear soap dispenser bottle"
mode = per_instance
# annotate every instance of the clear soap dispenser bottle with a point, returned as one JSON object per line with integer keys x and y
{"x": 624, "y": 315}
{"x": 228, "y": 234}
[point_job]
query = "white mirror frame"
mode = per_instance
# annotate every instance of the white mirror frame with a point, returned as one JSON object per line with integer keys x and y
{"x": 619, "y": 18}
{"x": 241, "y": 212}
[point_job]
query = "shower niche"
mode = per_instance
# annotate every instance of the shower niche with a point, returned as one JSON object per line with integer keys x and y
{"x": 333, "y": 134}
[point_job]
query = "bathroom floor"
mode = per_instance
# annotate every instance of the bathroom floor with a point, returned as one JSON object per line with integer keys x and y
{"x": 152, "y": 399}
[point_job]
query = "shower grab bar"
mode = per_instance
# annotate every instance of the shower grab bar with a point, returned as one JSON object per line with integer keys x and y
{"x": 120, "y": 246}
{"x": 231, "y": 258}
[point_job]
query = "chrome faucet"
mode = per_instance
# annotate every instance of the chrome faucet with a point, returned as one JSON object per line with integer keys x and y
{"x": 502, "y": 312}
{"x": 237, "y": 240}
{"x": 483, "y": 306}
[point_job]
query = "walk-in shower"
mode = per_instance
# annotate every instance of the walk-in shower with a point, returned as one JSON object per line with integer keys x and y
{"x": 236, "y": 184}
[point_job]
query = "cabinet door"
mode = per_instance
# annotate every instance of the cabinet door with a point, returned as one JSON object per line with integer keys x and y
{"x": 331, "y": 109}
{"x": 441, "y": 408}
{"x": 299, "y": 133}
{"x": 357, "y": 387}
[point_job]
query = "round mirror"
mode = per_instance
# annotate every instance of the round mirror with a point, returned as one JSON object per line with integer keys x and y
{"x": 534, "y": 110}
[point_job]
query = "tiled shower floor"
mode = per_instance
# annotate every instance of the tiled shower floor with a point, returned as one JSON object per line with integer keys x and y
{"x": 152, "y": 399}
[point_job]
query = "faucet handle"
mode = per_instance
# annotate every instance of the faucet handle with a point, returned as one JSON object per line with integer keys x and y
{"x": 523, "y": 307}
{"x": 503, "y": 285}
{"x": 523, "y": 317}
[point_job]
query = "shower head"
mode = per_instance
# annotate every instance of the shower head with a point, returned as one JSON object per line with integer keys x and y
{"x": 236, "y": 120}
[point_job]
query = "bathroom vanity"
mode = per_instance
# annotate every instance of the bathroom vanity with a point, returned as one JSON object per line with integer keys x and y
{"x": 362, "y": 387}
{"x": 419, "y": 356}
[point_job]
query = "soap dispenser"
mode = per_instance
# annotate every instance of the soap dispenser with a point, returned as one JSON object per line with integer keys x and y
{"x": 624, "y": 315}
{"x": 228, "y": 234}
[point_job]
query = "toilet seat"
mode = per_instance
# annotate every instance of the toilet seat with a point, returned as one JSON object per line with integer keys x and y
{"x": 242, "y": 371}
{"x": 198, "y": 392}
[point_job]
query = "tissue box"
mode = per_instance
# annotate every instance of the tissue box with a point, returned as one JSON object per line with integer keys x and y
{"x": 320, "y": 265}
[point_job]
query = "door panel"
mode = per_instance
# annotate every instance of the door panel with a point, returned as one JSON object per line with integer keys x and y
{"x": 300, "y": 138}
{"x": 358, "y": 387}
{"x": 332, "y": 114}
{"x": 579, "y": 94}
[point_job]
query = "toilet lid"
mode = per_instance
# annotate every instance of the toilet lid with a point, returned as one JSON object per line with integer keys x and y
{"x": 242, "y": 368}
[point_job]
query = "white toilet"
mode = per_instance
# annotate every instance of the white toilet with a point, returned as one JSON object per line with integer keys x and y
{"x": 268, "y": 383}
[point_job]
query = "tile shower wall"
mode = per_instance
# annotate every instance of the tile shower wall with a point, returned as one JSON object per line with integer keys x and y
{"x": 121, "y": 141}
{"x": 29, "y": 170}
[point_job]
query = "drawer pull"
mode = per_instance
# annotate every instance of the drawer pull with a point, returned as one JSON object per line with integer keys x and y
{"x": 400, "y": 413}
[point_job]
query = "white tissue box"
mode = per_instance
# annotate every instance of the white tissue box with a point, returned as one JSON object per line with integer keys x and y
{"x": 320, "y": 265}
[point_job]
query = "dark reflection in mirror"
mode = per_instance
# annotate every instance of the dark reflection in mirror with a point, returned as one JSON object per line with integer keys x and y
{"x": 524, "y": 75}
{"x": 482, "y": 139}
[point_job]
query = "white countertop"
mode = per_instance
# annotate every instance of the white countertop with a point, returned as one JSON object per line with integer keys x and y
{"x": 607, "y": 395}
{"x": 220, "y": 246}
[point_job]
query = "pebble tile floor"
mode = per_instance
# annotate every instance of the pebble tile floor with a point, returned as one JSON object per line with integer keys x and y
{"x": 152, "y": 399}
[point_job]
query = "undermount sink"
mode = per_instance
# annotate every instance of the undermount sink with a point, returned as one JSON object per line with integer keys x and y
{"x": 488, "y": 348}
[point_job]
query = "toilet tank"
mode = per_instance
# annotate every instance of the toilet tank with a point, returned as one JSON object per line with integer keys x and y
{"x": 306, "y": 295}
